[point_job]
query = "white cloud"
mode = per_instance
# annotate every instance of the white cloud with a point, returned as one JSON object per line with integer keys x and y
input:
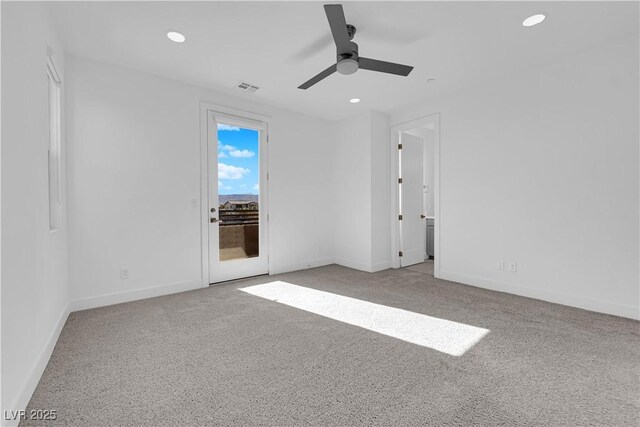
{"x": 227, "y": 127}
{"x": 232, "y": 151}
{"x": 231, "y": 172}
{"x": 256, "y": 187}
{"x": 241, "y": 153}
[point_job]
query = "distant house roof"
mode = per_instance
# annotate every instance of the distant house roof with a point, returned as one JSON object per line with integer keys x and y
{"x": 240, "y": 202}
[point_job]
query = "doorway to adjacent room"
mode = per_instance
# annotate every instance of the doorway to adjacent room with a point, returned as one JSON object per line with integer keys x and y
{"x": 415, "y": 174}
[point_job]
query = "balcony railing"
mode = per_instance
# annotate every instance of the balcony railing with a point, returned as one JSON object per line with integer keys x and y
{"x": 238, "y": 217}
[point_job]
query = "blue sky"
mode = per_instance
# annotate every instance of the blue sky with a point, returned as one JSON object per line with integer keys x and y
{"x": 238, "y": 160}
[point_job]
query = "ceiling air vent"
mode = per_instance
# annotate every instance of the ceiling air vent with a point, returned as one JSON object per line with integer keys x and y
{"x": 247, "y": 87}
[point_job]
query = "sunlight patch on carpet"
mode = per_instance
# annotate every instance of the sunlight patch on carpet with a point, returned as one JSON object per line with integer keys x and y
{"x": 443, "y": 335}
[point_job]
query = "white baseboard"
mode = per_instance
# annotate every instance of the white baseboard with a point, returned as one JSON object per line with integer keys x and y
{"x": 299, "y": 266}
{"x": 369, "y": 268}
{"x": 380, "y": 266}
{"x": 353, "y": 264}
{"x": 606, "y": 307}
{"x": 134, "y": 295}
{"x": 33, "y": 378}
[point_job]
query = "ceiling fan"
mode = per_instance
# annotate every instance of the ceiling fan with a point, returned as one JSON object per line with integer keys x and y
{"x": 348, "y": 61}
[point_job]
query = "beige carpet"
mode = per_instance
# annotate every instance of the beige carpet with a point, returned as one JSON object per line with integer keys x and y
{"x": 424, "y": 267}
{"x": 220, "y": 356}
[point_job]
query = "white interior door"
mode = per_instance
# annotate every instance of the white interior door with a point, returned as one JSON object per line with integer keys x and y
{"x": 237, "y": 193}
{"x": 413, "y": 228}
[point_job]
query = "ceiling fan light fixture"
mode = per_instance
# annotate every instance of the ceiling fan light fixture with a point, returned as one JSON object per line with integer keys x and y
{"x": 175, "y": 36}
{"x": 533, "y": 20}
{"x": 348, "y": 66}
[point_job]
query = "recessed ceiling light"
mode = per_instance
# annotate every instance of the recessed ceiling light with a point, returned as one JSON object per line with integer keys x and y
{"x": 175, "y": 36}
{"x": 533, "y": 20}
{"x": 354, "y": 100}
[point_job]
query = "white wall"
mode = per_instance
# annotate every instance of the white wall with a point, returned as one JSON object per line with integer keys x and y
{"x": 34, "y": 260}
{"x": 361, "y": 192}
{"x": 351, "y": 205}
{"x": 429, "y": 171}
{"x": 428, "y": 140}
{"x": 542, "y": 169}
{"x": 134, "y": 169}
{"x": 380, "y": 193}
{"x": 429, "y": 174}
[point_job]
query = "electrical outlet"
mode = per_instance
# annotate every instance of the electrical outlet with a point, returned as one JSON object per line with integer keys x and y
{"x": 124, "y": 274}
{"x": 500, "y": 265}
{"x": 513, "y": 267}
{"x": 194, "y": 203}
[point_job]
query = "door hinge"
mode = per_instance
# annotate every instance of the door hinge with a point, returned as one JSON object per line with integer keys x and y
{"x": 400, "y": 217}
{"x": 399, "y": 180}
{"x": 267, "y": 177}
{"x": 399, "y": 146}
{"x": 400, "y": 253}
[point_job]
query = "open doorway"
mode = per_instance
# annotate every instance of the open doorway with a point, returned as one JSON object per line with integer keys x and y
{"x": 416, "y": 194}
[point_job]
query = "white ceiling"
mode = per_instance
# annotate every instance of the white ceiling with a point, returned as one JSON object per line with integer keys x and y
{"x": 279, "y": 45}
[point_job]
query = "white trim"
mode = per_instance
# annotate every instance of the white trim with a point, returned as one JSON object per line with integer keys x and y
{"x": 436, "y": 198}
{"x": 395, "y": 173}
{"x": 33, "y": 378}
{"x": 300, "y": 266}
{"x": 206, "y": 105}
{"x": 353, "y": 264}
{"x": 205, "y": 108}
{"x": 221, "y": 271}
{"x": 570, "y": 300}
{"x": 204, "y": 196}
{"x": 53, "y": 70}
{"x": 368, "y": 268}
{"x": 54, "y": 146}
{"x": 380, "y": 267}
{"x": 235, "y": 120}
{"x": 134, "y": 295}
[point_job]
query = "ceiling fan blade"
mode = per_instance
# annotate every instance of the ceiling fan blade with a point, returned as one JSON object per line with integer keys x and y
{"x": 384, "y": 67}
{"x": 338, "y": 25}
{"x": 316, "y": 79}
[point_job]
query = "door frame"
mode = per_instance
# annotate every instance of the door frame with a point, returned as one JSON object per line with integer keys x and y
{"x": 205, "y": 109}
{"x": 396, "y": 130}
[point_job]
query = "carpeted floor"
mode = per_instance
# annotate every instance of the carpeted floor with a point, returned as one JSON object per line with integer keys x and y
{"x": 424, "y": 267}
{"x": 220, "y": 356}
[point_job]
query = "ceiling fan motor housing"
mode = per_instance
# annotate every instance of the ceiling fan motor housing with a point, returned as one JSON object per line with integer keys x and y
{"x": 347, "y": 63}
{"x": 347, "y": 59}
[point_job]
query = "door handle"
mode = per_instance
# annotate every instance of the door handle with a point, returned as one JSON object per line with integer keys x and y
{"x": 214, "y": 220}
{"x": 422, "y": 216}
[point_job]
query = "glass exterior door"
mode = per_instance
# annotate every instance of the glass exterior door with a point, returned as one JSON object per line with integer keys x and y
{"x": 237, "y": 197}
